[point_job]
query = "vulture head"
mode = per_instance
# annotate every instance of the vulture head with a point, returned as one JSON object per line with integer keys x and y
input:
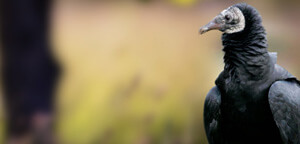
{"x": 230, "y": 20}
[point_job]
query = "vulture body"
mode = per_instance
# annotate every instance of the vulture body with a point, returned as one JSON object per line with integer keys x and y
{"x": 255, "y": 101}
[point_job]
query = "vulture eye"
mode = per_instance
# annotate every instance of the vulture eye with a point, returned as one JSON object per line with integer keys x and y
{"x": 227, "y": 17}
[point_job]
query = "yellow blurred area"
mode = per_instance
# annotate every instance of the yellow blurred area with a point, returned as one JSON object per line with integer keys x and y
{"x": 183, "y": 2}
{"x": 132, "y": 73}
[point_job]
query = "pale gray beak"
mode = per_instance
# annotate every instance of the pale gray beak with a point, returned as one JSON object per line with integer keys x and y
{"x": 212, "y": 25}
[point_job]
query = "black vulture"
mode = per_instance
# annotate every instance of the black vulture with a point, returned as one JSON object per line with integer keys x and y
{"x": 255, "y": 100}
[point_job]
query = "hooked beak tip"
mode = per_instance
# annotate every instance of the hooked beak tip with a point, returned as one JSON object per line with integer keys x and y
{"x": 203, "y": 30}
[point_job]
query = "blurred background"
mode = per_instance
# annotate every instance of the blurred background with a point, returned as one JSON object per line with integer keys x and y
{"x": 137, "y": 72}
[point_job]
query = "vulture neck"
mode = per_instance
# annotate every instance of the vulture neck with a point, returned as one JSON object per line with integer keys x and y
{"x": 246, "y": 54}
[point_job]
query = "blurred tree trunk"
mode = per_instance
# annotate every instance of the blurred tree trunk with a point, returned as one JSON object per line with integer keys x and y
{"x": 28, "y": 69}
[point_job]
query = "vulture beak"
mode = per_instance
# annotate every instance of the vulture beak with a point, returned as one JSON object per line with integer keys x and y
{"x": 212, "y": 25}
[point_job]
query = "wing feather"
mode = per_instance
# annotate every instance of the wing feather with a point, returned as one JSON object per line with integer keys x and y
{"x": 212, "y": 114}
{"x": 284, "y": 100}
